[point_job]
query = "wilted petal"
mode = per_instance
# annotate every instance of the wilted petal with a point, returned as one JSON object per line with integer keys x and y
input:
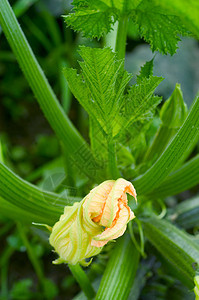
{"x": 94, "y": 204}
{"x": 117, "y": 229}
{"x": 118, "y": 192}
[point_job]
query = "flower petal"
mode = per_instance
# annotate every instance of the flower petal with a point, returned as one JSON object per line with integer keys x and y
{"x": 124, "y": 216}
{"x": 119, "y": 190}
{"x": 94, "y": 204}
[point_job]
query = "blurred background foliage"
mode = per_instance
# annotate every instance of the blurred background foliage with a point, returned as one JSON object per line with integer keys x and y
{"x": 31, "y": 149}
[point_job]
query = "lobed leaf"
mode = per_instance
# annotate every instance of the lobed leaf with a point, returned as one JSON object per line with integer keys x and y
{"x": 123, "y": 5}
{"x": 146, "y": 70}
{"x": 140, "y": 102}
{"x": 95, "y": 18}
{"x": 92, "y": 18}
{"x": 100, "y": 86}
{"x": 188, "y": 12}
{"x": 160, "y": 29}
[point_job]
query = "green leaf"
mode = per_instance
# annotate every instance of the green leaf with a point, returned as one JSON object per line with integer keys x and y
{"x": 120, "y": 272}
{"x": 100, "y": 86}
{"x": 95, "y": 18}
{"x": 92, "y": 18}
{"x": 146, "y": 70}
{"x": 158, "y": 28}
{"x": 188, "y": 12}
{"x": 41, "y": 204}
{"x": 175, "y": 245}
{"x": 98, "y": 145}
{"x": 73, "y": 143}
{"x": 182, "y": 179}
{"x": 184, "y": 139}
{"x": 123, "y": 5}
{"x": 140, "y": 102}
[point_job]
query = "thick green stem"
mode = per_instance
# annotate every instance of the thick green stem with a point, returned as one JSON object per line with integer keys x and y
{"x": 74, "y": 144}
{"x": 111, "y": 37}
{"x": 83, "y": 280}
{"x": 120, "y": 48}
{"x": 121, "y": 36}
{"x": 120, "y": 271}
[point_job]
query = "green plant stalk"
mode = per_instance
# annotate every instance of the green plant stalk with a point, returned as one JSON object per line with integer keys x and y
{"x": 83, "y": 280}
{"x": 180, "y": 180}
{"x": 15, "y": 213}
{"x": 7, "y": 253}
{"x": 139, "y": 247}
{"x": 184, "y": 139}
{"x": 121, "y": 36}
{"x": 1, "y": 152}
{"x": 120, "y": 272}
{"x": 175, "y": 246}
{"x": 28, "y": 197}
{"x": 32, "y": 257}
{"x": 73, "y": 143}
{"x": 111, "y": 37}
{"x": 185, "y": 214}
{"x": 196, "y": 288}
{"x": 120, "y": 48}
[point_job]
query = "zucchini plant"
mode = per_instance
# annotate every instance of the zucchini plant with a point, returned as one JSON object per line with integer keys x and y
{"x": 122, "y": 154}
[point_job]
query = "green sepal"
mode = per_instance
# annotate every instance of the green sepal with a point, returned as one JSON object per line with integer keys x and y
{"x": 172, "y": 114}
{"x": 174, "y": 111}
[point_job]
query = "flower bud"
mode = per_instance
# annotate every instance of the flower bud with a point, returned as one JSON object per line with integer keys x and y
{"x": 174, "y": 111}
{"x": 87, "y": 226}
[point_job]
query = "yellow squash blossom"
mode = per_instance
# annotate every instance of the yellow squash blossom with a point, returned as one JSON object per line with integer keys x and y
{"x": 88, "y": 225}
